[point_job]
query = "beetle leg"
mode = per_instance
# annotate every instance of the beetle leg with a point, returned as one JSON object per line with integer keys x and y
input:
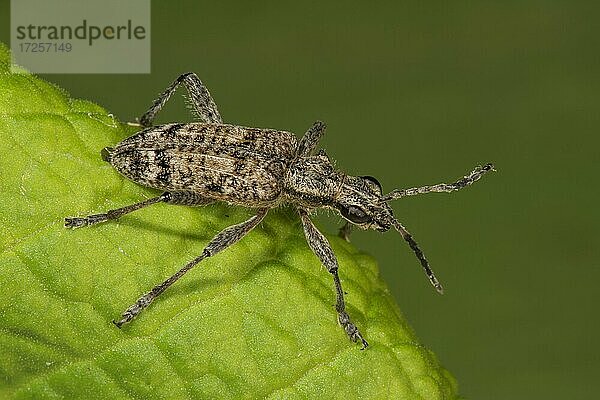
{"x": 200, "y": 98}
{"x": 322, "y": 249}
{"x": 310, "y": 140}
{"x": 223, "y": 240}
{"x": 76, "y": 222}
{"x": 187, "y": 198}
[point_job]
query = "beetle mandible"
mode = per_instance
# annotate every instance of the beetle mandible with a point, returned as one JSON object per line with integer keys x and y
{"x": 202, "y": 162}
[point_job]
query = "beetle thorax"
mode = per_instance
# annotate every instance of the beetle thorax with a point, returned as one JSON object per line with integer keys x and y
{"x": 312, "y": 181}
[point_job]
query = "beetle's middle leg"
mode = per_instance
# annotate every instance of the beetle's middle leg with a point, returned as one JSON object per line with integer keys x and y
{"x": 202, "y": 102}
{"x": 181, "y": 198}
{"x": 310, "y": 140}
{"x": 322, "y": 249}
{"x": 223, "y": 240}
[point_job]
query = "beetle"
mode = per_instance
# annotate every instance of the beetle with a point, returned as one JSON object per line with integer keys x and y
{"x": 202, "y": 162}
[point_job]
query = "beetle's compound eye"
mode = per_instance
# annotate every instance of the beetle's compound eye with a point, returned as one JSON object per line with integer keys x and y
{"x": 374, "y": 183}
{"x": 354, "y": 214}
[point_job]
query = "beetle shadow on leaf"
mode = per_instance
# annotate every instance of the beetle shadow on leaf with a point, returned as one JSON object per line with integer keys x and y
{"x": 162, "y": 229}
{"x": 193, "y": 285}
{"x": 231, "y": 276}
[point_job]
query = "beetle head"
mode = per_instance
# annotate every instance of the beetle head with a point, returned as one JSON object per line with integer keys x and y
{"x": 361, "y": 202}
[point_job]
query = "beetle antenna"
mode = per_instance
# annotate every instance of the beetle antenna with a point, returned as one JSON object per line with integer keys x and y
{"x": 465, "y": 181}
{"x": 419, "y": 253}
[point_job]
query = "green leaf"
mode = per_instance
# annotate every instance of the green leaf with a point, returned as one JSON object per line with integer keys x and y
{"x": 256, "y": 321}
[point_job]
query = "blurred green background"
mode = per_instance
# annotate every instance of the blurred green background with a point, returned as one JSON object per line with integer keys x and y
{"x": 417, "y": 94}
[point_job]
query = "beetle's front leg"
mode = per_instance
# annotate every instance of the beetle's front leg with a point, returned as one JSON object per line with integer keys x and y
{"x": 322, "y": 249}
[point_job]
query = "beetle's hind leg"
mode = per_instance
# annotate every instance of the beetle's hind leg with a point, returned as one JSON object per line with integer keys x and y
{"x": 187, "y": 198}
{"x": 180, "y": 198}
{"x": 223, "y": 240}
{"x": 77, "y": 222}
{"x": 200, "y": 98}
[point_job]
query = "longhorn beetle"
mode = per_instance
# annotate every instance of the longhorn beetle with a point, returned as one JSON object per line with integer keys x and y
{"x": 202, "y": 162}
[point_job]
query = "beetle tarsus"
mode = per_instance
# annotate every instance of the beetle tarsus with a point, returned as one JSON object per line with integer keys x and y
{"x": 75, "y": 222}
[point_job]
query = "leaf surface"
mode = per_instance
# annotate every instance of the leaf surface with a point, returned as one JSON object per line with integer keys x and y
{"x": 256, "y": 321}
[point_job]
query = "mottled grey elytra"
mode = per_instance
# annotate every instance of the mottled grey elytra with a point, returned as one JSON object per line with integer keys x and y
{"x": 201, "y": 162}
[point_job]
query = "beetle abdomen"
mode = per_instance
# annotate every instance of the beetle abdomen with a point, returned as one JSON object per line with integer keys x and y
{"x": 224, "y": 162}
